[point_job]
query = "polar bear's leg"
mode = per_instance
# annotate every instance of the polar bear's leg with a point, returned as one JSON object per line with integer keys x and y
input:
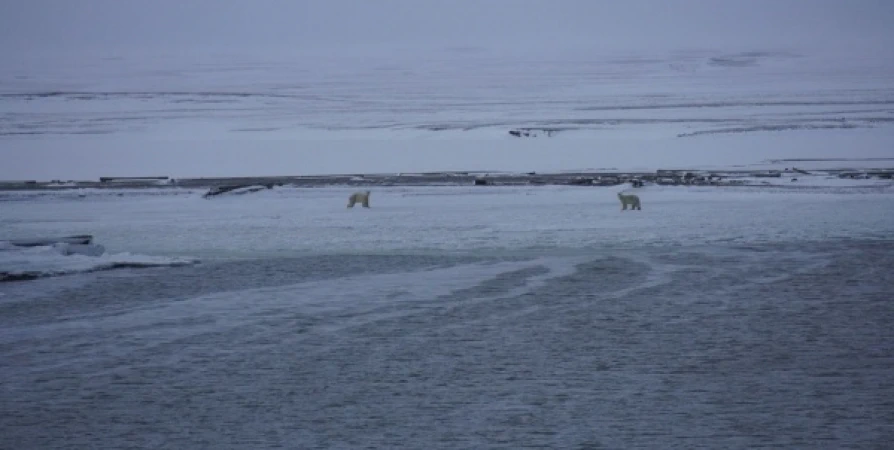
{"x": 351, "y": 200}
{"x": 366, "y": 199}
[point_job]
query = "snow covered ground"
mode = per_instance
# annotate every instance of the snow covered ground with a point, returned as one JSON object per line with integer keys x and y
{"x": 545, "y": 310}
{"x": 303, "y": 306}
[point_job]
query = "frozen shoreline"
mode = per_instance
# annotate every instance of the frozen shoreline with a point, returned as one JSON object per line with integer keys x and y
{"x": 789, "y": 176}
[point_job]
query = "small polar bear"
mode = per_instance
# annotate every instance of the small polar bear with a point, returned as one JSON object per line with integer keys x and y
{"x": 629, "y": 199}
{"x": 359, "y": 197}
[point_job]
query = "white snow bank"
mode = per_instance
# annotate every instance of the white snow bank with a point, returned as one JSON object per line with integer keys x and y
{"x": 17, "y": 263}
{"x": 225, "y": 190}
{"x": 817, "y": 181}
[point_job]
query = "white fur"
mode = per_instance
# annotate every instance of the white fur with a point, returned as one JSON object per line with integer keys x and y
{"x": 629, "y": 199}
{"x": 359, "y": 197}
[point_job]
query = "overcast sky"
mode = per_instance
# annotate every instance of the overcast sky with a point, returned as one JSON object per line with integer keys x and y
{"x": 115, "y": 26}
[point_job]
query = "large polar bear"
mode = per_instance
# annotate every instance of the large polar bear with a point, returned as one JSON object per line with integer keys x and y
{"x": 629, "y": 199}
{"x": 359, "y": 197}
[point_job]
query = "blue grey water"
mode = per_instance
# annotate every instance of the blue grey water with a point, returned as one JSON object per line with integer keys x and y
{"x": 694, "y": 346}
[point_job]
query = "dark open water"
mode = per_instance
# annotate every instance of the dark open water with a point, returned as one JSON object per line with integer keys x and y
{"x": 683, "y": 347}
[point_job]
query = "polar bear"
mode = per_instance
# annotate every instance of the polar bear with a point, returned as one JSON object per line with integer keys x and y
{"x": 629, "y": 199}
{"x": 359, "y": 197}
